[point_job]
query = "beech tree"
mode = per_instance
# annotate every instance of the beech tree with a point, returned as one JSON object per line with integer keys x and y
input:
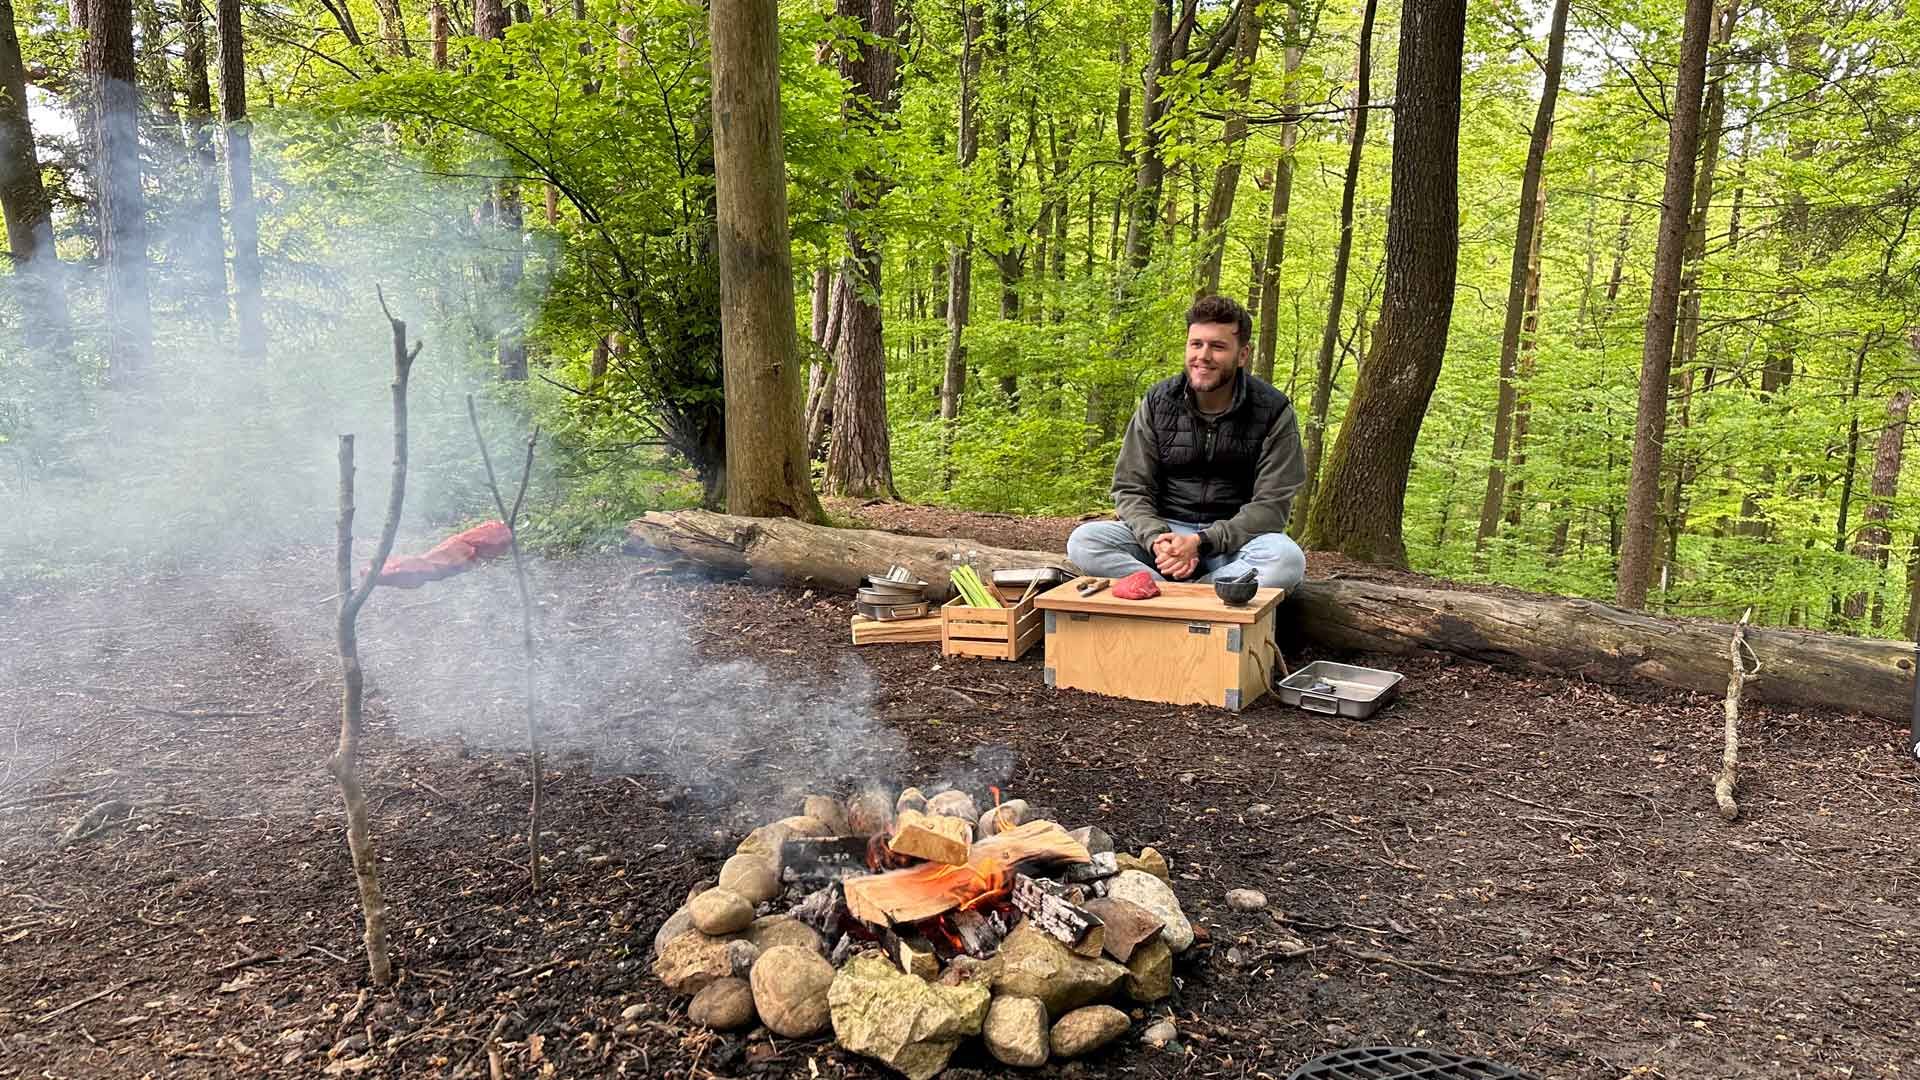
{"x": 122, "y": 206}
{"x": 1520, "y": 270}
{"x": 1358, "y": 511}
{"x": 1663, "y": 306}
{"x": 243, "y": 216}
{"x": 766, "y": 467}
{"x": 24, "y": 202}
{"x": 859, "y": 460}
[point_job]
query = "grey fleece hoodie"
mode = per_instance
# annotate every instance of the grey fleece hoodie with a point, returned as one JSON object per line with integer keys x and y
{"x": 1281, "y": 472}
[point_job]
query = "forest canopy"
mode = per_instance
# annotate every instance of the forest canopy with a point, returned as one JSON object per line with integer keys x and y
{"x": 998, "y": 212}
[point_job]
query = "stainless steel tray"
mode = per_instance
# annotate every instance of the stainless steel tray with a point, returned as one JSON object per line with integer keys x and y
{"x": 1339, "y": 689}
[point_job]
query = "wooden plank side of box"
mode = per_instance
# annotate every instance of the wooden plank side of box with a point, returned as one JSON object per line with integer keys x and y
{"x": 867, "y": 631}
{"x": 1145, "y": 659}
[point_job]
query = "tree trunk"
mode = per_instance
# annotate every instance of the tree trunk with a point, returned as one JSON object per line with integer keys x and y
{"x": 1636, "y": 569}
{"x": 1343, "y": 254}
{"x": 859, "y": 459}
{"x": 1122, "y": 122}
{"x": 766, "y": 471}
{"x": 111, "y": 79}
{"x": 393, "y": 29}
{"x": 1011, "y": 259}
{"x": 1687, "y": 340}
{"x": 437, "y": 30}
{"x": 1269, "y": 278}
{"x": 1367, "y": 475}
{"x": 206, "y": 248}
{"x": 1537, "y": 634}
{"x": 1529, "y": 351}
{"x": 503, "y": 213}
{"x": 953, "y": 384}
{"x": 1150, "y": 163}
{"x": 1517, "y": 271}
{"x": 1875, "y": 534}
{"x": 23, "y": 200}
{"x": 1226, "y": 178}
{"x": 242, "y": 213}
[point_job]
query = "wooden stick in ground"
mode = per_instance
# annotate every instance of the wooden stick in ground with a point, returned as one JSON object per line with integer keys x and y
{"x": 344, "y": 765}
{"x": 1730, "y": 758}
{"x": 511, "y": 518}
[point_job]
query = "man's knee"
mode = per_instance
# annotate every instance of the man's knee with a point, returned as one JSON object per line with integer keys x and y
{"x": 1095, "y": 538}
{"x": 1277, "y": 560}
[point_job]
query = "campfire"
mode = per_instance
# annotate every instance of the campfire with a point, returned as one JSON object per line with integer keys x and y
{"x": 909, "y": 924}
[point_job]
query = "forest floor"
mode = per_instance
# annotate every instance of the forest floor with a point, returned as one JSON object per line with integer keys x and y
{"x": 1525, "y": 868}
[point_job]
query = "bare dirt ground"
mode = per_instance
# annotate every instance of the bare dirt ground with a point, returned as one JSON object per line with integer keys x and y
{"x": 1524, "y": 868}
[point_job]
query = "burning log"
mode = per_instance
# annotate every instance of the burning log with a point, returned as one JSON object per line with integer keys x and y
{"x": 979, "y": 935}
{"x": 1059, "y": 918}
{"x": 904, "y": 896}
{"x": 933, "y": 837}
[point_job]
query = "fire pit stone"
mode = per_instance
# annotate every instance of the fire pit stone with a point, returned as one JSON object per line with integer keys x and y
{"x": 718, "y": 912}
{"x": 1148, "y": 861}
{"x": 790, "y": 991}
{"x": 691, "y": 960}
{"x": 752, "y": 877}
{"x": 1016, "y": 1031}
{"x": 1155, "y": 895}
{"x": 723, "y": 1004}
{"x": 955, "y": 803}
{"x": 1031, "y": 964}
{"x": 770, "y": 930}
{"x": 910, "y": 1024}
{"x": 1150, "y": 972}
{"x": 1085, "y": 1030}
{"x": 829, "y": 811}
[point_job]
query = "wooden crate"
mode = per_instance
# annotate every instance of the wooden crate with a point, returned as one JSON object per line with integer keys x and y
{"x": 867, "y": 631}
{"x": 993, "y": 633}
{"x": 1183, "y": 647}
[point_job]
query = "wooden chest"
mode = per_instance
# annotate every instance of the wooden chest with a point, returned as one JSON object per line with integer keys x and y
{"x": 1183, "y": 647}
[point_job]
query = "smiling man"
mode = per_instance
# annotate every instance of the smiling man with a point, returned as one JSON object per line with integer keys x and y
{"x": 1207, "y": 471}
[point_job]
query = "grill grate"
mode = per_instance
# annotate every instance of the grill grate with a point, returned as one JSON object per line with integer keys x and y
{"x": 1403, "y": 1063}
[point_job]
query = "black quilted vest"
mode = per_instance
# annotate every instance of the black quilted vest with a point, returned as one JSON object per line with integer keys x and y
{"x": 1207, "y": 466}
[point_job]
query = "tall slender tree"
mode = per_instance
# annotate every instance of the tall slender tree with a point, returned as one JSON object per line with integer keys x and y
{"x": 766, "y": 466}
{"x": 1359, "y": 511}
{"x": 243, "y": 214}
{"x": 503, "y": 211}
{"x": 1876, "y": 533}
{"x": 29, "y": 213}
{"x": 1635, "y": 575}
{"x": 111, "y": 75}
{"x": 1342, "y": 256}
{"x": 860, "y": 459}
{"x": 953, "y": 383}
{"x": 1518, "y": 271}
{"x": 1268, "y": 279}
{"x": 204, "y": 245}
{"x": 1233, "y": 137}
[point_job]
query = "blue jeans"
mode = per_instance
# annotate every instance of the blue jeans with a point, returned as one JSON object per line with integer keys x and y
{"x": 1108, "y": 549}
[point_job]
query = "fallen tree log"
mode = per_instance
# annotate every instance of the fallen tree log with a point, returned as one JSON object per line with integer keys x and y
{"x": 782, "y": 551}
{"x": 1572, "y": 638}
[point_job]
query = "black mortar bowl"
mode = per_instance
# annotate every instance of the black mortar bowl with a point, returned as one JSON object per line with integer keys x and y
{"x": 1237, "y": 592}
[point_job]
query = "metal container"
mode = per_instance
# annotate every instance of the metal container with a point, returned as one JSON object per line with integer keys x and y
{"x": 1021, "y": 577}
{"x": 890, "y": 612}
{"x": 1339, "y": 689}
{"x": 897, "y": 591}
